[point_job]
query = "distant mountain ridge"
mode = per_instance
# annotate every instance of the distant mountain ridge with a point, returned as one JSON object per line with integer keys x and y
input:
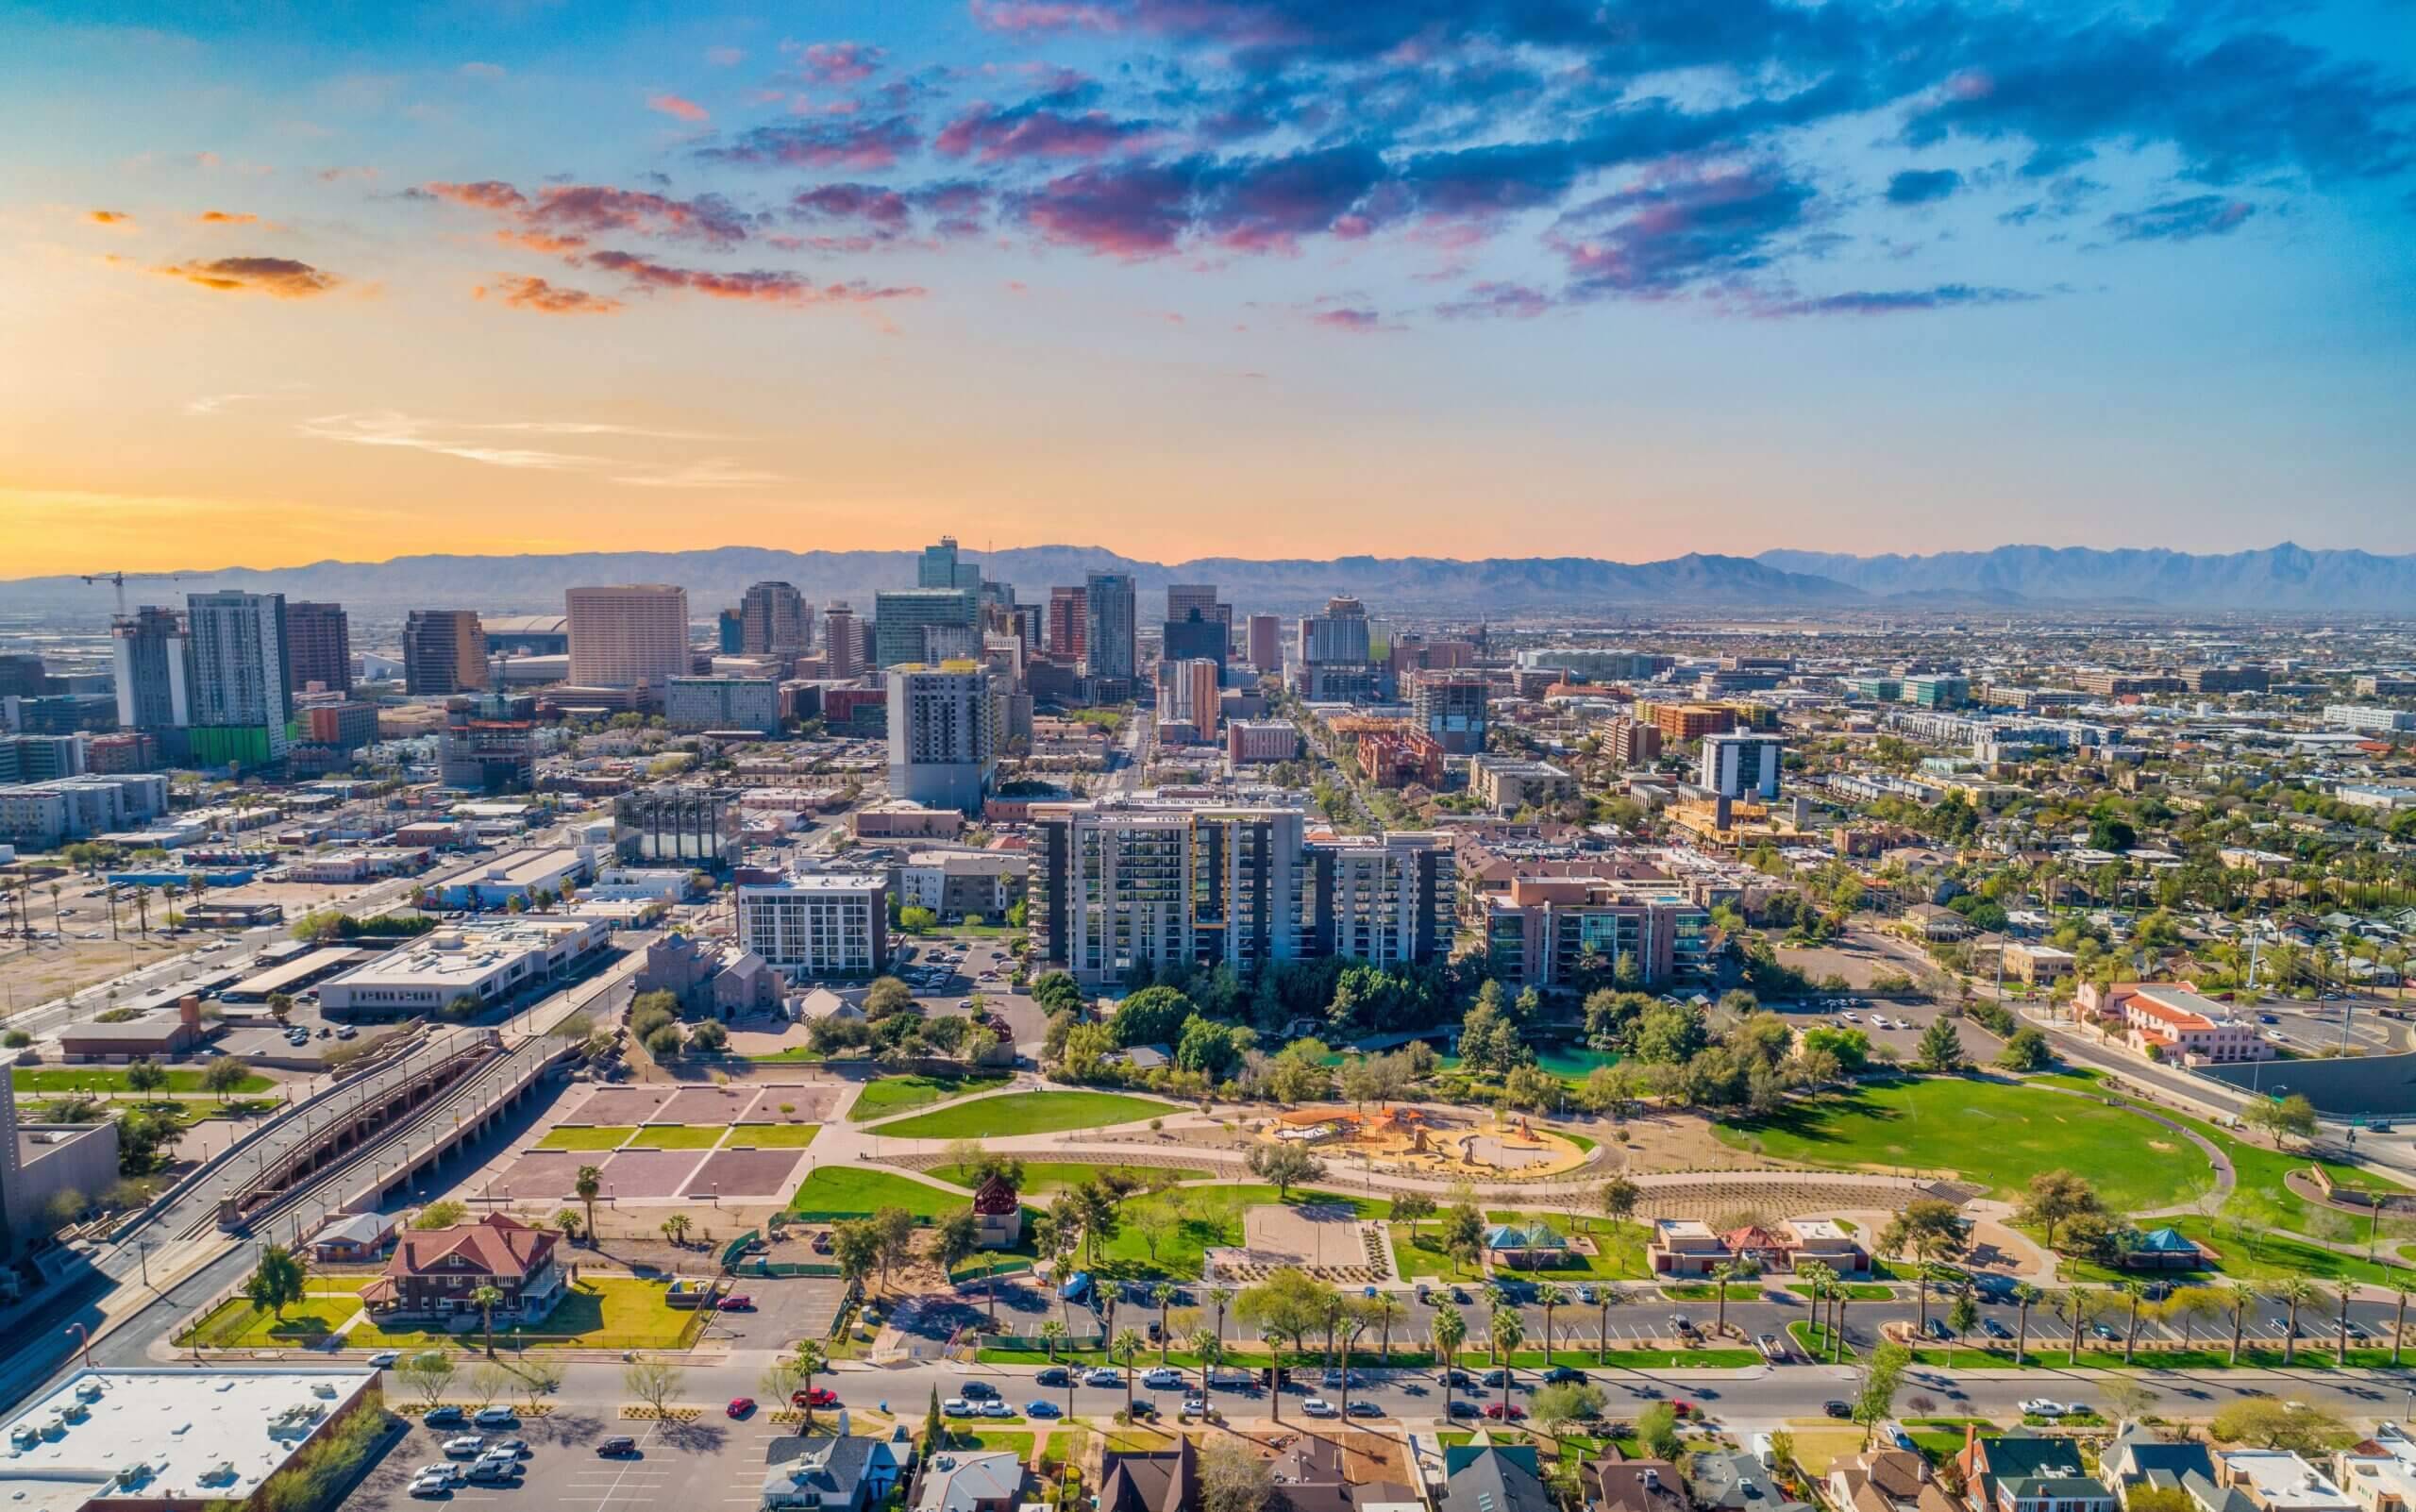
{"x": 2285, "y": 577}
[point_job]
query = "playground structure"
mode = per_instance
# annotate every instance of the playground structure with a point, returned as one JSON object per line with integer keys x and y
{"x": 1427, "y": 1141}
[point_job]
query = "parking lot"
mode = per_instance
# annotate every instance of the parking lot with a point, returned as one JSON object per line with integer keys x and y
{"x": 710, "y": 1464}
{"x": 959, "y": 977}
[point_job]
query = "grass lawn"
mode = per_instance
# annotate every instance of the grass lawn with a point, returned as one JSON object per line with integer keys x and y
{"x": 1940, "y": 1437}
{"x": 677, "y": 1136}
{"x": 1205, "y": 1216}
{"x": 237, "y": 1324}
{"x": 75, "y": 1079}
{"x": 1813, "y": 1339}
{"x": 599, "y": 1312}
{"x": 851, "y": 1191}
{"x": 1999, "y": 1134}
{"x": 773, "y": 1135}
{"x": 986, "y": 1439}
{"x": 586, "y": 1137}
{"x": 1058, "y": 1175}
{"x": 903, "y": 1094}
{"x": 1425, "y": 1256}
{"x": 1855, "y": 1291}
{"x": 1029, "y": 1113}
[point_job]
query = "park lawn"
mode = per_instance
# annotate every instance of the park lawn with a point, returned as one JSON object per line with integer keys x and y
{"x": 1029, "y": 1113}
{"x": 599, "y": 1312}
{"x": 773, "y": 1135}
{"x": 1060, "y": 1175}
{"x": 851, "y": 1191}
{"x": 586, "y": 1137}
{"x": 677, "y": 1136}
{"x": 73, "y": 1079}
{"x": 1999, "y": 1134}
{"x": 2258, "y": 1169}
{"x": 903, "y": 1094}
{"x": 1425, "y": 1256}
{"x": 237, "y": 1324}
{"x": 1207, "y": 1216}
{"x": 2251, "y": 1253}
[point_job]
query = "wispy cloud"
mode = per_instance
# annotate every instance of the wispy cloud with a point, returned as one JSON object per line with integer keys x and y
{"x": 545, "y": 298}
{"x": 672, "y": 105}
{"x": 277, "y": 277}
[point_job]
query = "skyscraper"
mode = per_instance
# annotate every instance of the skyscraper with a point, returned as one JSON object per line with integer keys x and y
{"x": 1066, "y": 609}
{"x": 1108, "y": 648}
{"x": 241, "y": 700}
{"x": 1266, "y": 642}
{"x": 1195, "y": 636}
{"x": 902, "y": 618}
{"x": 1182, "y": 597}
{"x": 628, "y": 635}
{"x": 774, "y": 620}
{"x": 1742, "y": 766}
{"x": 445, "y": 652}
{"x": 939, "y": 568}
{"x": 943, "y": 735}
{"x": 1450, "y": 707}
{"x": 154, "y": 672}
{"x": 842, "y": 646}
{"x": 321, "y": 635}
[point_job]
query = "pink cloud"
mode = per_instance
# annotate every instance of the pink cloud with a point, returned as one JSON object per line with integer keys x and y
{"x": 672, "y": 105}
{"x": 767, "y": 286}
{"x": 843, "y": 62}
{"x": 545, "y": 298}
{"x": 1043, "y": 15}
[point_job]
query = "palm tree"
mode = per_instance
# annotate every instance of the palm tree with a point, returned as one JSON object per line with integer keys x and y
{"x": 811, "y": 1360}
{"x": 2026, "y": 1296}
{"x": 486, "y": 1300}
{"x": 2241, "y": 1298}
{"x": 2346, "y": 1289}
{"x": 675, "y": 1228}
{"x": 1548, "y": 1296}
{"x": 2293, "y": 1293}
{"x": 1605, "y": 1296}
{"x": 2135, "y": 1293}
{"x": 1385, "y": 1310}
{"x": 1506, "y": 1332}
{"x": 590, "y": 1183}
{"x": 1124, "y": 1351}
{"x": 2401, "y": 1283}
{"x": 1164, "y": 1296}
{"x": 1449, "y": 1331}
{"x": 2079, "y": 1302}
{"x": 1211, "y": 1351}
{"x": 1220, "y": 1298}
{"x": 1351, "y": 1326}
{"x": 1052, "y": 1334}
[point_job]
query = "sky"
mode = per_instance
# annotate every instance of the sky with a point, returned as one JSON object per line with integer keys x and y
{"x": 1625, "y": 278}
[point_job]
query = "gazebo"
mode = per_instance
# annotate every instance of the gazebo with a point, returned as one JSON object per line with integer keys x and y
{"x": 999, "y": 1213}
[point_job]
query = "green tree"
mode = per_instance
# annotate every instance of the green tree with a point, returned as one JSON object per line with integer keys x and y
{"x": 1285, "y": 1165}
{"x": 146, "y": 1075}
{"x": 486, "y": 1300}
{"x": 1656, "y": 1432}
{"x": 812, "y": 1360}
{"x": 277, "y": 1282}
{"x": 1876, "y": 1383}
{"x": 1940, "y": 1047}
{"x": 226, "y": 1075}
{"x": 1449, "y": 1331}
{"x": 587, "y": 1185}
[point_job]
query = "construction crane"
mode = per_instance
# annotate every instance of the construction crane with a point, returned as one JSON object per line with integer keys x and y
{"x": 119, "y": 579}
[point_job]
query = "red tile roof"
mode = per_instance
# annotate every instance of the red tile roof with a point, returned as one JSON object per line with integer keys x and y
{"x": 495, "y": 1246}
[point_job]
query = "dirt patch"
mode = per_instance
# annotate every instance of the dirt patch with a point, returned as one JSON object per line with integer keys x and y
{"x": 748, "y": 1173}
{"x": 1669, "y": 1141}
{"x": 54, "y": 967}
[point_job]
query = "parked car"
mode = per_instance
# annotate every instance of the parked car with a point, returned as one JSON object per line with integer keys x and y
{"x": 1162, "y": 1378}
{"x": 1994, "y": 1329}
{"x": 466, "y": 1447}
{"x": 1320, "y": 1407}
{"x": 2044, "y": 1407}
{"x": 1040, "y": 1407}
{"x": 1462, "y": 1407}
{"x": 2100, "y": 1330}
{"x": 1559, "y": 1373}
{"x": 490, "y": 1470}
{"x": 738, "y": 1302}
{"x": 1104, "y": 1376}
{"x": 959, "y": 1407}
{"x": 1362, "y": 1407}
{"x": 740, "y": 1406}
{"x": 384, "y": 1360}
{"x": 818, "y": 1396}
{"x": 443, "y": 1417}
{"x": 1833, "y": 1408}
{"x": 1459, "y": 1378}
{"x": 495, "y": 1418}
{"x": 1936, "y": 1330}
{"x": 1499, "y": 1376}
{"x": 1504, "y": 1411}
{"x": 427, "y": 1486}
{"x": 616, "y": 1445}
{"x": 1054, "y": 1375}
{"x": 996, "y": 1409}
{"x": 978, "y": 1391}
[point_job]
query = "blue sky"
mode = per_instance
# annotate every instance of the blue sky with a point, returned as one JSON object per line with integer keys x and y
{"x": 1209, "y": 275}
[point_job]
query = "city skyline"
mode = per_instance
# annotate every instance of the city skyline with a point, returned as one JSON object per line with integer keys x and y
{"x": 330, "y": 286}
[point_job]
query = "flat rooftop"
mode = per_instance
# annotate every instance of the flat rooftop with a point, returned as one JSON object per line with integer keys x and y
{"x": 463, "y": 953}
{"x": 197, "y": 1435}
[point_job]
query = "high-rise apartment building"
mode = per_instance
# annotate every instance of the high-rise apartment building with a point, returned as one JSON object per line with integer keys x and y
{"x": 1109, "y": 653}
{"x": 1690, "y": 721}
{"x": 1737, "y": 765}
{"x": 629, "y": 635}
{"x": 1069, "y": 615}
{"x": 486, "y": 755}
{"x": 943, "y": 735}
{"x": 940, "y": 568}
{"x": 1265, "y": 647}
{"x": 693, "y": 704}
{"x": 774, "y": 620}
{"x": 1450, "y": 709}
{"x": 1631, "y": 741}
{"x": 1188, "y": 693}
{"x": 1195, "y": 635}
{"x": 154, "y": 672}
{"x": 905, "y": 621}
{"x": 445, "y": 652}
{"x": 241, "y": 700}
{"x": 1338, "y": 635}
{"x": 1552, "y": 931}
{"x": 820, "y": 925}
{"x": 1116, "y": 884}
{"x": 321, "y": 638}
{"x": 842, "y": 645}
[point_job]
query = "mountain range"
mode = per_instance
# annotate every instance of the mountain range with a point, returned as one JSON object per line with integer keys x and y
{"x": 2284, "y": 578}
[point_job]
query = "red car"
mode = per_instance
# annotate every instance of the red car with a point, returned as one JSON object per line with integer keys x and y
{"x": 740, "y": 1407}
{"x": 818, "y": 1396}
{"x": 739, "y": 1302}
{"x": 1494, "y": 1410}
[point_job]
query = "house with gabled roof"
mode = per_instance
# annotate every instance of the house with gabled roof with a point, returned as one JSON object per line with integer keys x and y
{"x": 434, "y": 1273}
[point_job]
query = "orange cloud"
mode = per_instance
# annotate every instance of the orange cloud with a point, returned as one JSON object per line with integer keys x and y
{"x": 548, "y": 298}
{"x": 487, "y": 194}
{"x": 216, "y": 217}
{"x": 118, "y": 219}
{"x": 279, "y": 278}
{"x": 674, "y": 106}
{"x": 540, "y": 241}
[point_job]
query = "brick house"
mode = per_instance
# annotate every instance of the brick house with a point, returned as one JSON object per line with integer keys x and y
{"x": 433, "y": 1273}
